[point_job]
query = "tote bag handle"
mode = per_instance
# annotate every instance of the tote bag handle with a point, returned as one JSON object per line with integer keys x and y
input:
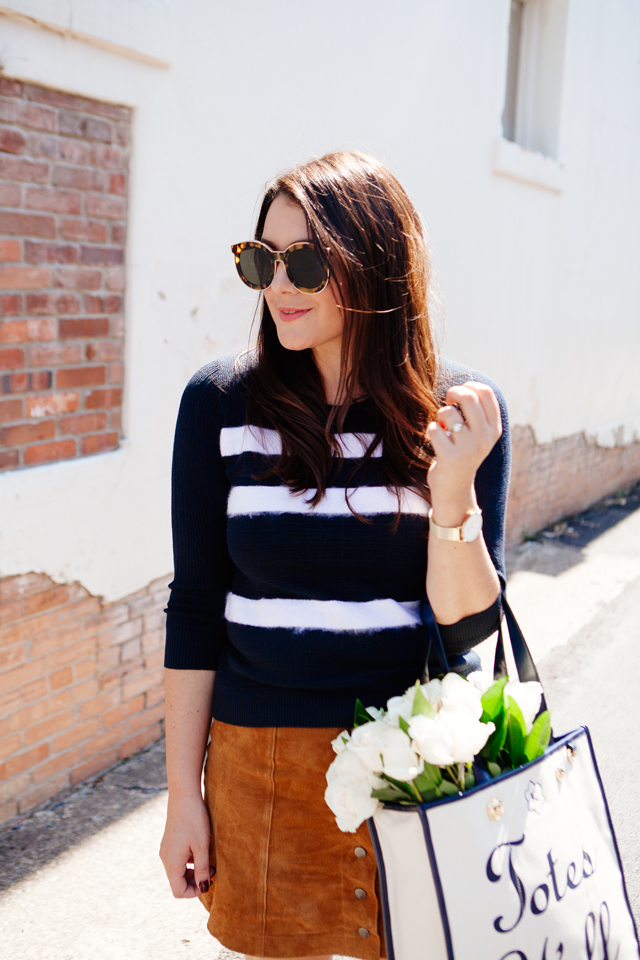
{"x": 521, "y": 654}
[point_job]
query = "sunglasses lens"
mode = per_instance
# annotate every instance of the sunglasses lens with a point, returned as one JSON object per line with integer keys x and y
{"x": 256, "y": 264}
{"x": 306, "y": 270}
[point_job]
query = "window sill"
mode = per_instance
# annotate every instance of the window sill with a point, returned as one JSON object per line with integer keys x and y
{"x": 512, "y": 160}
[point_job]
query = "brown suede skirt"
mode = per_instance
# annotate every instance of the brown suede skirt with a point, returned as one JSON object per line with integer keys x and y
{"x": 288, "y": 882}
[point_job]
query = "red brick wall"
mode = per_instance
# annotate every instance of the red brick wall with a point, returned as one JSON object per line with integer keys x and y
{"x": 553, "y": 480}
{"x": 63, "y": 184}
{"x": 80, "y": 684}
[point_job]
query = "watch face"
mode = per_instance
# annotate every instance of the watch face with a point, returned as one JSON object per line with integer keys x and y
{"x": 471, "y": 527}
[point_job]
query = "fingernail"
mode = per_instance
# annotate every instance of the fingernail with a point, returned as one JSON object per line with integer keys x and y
{"x": 204, "y": 886}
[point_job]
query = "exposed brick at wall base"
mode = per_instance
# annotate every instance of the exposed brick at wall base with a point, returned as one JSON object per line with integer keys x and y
{"x": 80, "y": 684}
{"x": 553, "y": 480}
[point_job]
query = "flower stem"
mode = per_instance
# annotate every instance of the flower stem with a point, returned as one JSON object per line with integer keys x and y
{"x": 416, "y": 791}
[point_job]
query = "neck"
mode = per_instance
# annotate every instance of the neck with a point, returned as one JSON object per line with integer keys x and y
{"x": 328, "y": 359}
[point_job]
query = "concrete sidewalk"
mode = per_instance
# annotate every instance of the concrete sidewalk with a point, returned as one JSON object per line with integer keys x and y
{"x": 82, "y": 880}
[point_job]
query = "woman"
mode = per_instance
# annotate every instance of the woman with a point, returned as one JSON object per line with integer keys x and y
{"x": 302, "y": 485}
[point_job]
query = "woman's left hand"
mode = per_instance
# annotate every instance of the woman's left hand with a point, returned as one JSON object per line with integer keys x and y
{"x": 462, "y": 439}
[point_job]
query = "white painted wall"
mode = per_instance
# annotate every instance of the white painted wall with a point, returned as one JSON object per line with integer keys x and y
{"x": 540, "y": 285}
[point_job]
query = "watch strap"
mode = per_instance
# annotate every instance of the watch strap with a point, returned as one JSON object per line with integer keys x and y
{"x": 450, "y": 533}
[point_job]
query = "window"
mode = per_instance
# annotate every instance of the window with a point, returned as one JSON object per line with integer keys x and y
{"x": 535, "y": 65}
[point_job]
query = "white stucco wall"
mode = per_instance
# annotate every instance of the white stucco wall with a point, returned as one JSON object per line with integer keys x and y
{"x": 540, "y": 286}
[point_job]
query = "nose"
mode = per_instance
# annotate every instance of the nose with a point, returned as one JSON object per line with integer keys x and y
{"x": 281, "y": 282}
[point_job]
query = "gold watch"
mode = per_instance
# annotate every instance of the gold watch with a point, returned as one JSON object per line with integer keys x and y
{"x": 467, "y": 532}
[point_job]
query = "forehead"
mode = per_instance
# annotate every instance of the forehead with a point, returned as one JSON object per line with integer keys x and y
{"x": 285, "y": 224}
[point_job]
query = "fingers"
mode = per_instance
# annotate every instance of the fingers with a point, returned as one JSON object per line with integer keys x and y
{"x": 478, "y": 404}
{"x": 202, "y": 870}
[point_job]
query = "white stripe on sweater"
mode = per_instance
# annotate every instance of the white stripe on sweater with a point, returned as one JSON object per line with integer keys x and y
{"x": 237, "y": 440}
{"x": 367, "y": 501}
{"x": 333, "y": 615}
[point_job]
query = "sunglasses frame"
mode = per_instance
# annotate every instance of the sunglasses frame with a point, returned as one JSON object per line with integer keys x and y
{"x": 277, "y": 255}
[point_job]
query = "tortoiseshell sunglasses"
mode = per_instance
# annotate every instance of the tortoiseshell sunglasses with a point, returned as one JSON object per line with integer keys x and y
{"x": 256, "y": 265}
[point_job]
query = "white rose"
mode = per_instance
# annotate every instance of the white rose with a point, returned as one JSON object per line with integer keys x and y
{"x": 400, "y": 761}
{"x": 481, "y": 679}
{"x": 468, "y": 734}
{"x": 527, "y": 696}
{"x": 375, "y": 712}
{"x": 364, "y": 743}
{"x": 456, "y": 689}
{"x": 341, "y": 741}
{"x": 349, "y": 763}
{"x": 432, "y": 740}
{"x": 351, "y": 801}
{"x": 433, "y": 692}
{"x": 399, "y": 707}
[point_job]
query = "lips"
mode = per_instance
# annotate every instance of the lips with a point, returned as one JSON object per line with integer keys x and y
{"x": 288, "y": 315}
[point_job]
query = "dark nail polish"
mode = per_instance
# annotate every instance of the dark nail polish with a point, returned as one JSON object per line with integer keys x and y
{"x": 204, "y": 886}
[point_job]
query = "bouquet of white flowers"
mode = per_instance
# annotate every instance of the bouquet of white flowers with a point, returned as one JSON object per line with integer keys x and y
{"x": 424, "y": 745}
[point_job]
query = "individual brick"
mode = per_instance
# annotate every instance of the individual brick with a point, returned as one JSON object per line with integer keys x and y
{"x": 78, "y": 178}
{"x": 52, "y": 303}
{"x": 83, "y": 423}
{"x": 77, "y": 125}
{"x": 10, "y": 195}
{"x": 94, "y": 765}
{"x": 117, "y": 183}
{"x": 11, "y": 359}
{"x": 10, "y": 304}
{"x": 105, "y": 205}
{"x": 98, "y": 443}
{"x": 23, "y": 331}
{"x": 11, "y": 410}
{"x": 55, "y": 354}
{"x": 94, "y": 304}
{"x": 24, "y": 278}
{"x": 105, "y": 350}
{"x": 10, "y": 250}
{"x": 27, "y": 224}
{"x": 24, "y": 761}
{"x": 84, "y": 327}
{"x": 92, "y": 230}
{"x": 12, "y": 141}
{"x": 77, "y": 278}
{"x": 20, "y": 168}
{"x": 53, "y": 404}
{"x": 102, "y": 256}
{"x": 103, "y": 398}
{"x": 53, "y": 200}
{"x": 11, "y": 88}
{"x": 18, "y": 435}
{"x": 48, "y": 452}
{"x": 80, "y": 377}
{"x": 50, "y": 252}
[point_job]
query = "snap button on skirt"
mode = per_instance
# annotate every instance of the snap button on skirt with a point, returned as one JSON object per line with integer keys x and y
{"x": 288, "y": 883}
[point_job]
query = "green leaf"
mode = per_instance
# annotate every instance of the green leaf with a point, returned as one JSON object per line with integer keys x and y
{"x": 361, "y": 716}
{"x": 495, "y": 743}
{"x": 493, "y": 769}
{"x": 422, "y": 705}
{"x": 493, "y": 700}
{"x": 469, "y": 780}
{"x": 538, "y": 737}
{"x": 389, "y": 794}
{"x": 429, "y": 779}
{"x": 448, "y": 789}
{"x": 516, "y": 734}
{"x": 399, "y": 785}
{"x": 404, "y": 726}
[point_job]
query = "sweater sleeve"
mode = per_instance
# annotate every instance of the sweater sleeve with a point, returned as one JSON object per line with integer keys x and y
{"x": 492, "y": 487}
{"x": 196, "y": 629}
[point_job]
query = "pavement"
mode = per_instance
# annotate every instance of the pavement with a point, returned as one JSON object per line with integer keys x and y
{"x": 80, "y": 878}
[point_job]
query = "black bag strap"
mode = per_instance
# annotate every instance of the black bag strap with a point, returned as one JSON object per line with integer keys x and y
{"x": 525, "y": 665}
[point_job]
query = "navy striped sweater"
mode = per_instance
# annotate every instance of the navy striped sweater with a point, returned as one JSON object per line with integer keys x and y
{"x": 300, "y": 609}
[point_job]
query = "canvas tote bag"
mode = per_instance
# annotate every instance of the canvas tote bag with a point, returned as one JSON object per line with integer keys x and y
{"x": 523, "y": 867}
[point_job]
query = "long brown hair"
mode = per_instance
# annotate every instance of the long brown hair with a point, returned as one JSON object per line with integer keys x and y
{"x": 359, "y": 213}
